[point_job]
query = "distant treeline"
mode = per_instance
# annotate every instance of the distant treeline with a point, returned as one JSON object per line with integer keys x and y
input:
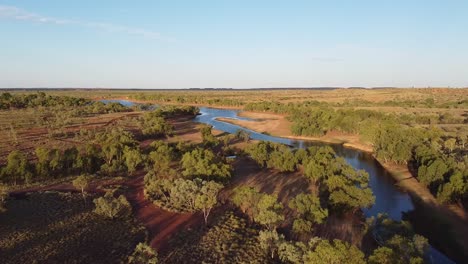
{"x": 8, "y": 100}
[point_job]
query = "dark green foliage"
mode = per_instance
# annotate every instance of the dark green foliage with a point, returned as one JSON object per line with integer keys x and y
{"x": 173, "y": 110}
{"x": 399, "y": 242}
{"x": 319, "y": 251}
{"x": 143, "y": 254}
{"x": 246, "y": 198}
{"x": 309, "y": 211}
{"x": 110, "y": 207}
{"x": 259, "y": 152}
{"x": 262, "y": 208}
{"x": 203, "y": 163}
{"x": 343, "y": 186}
{"x": 273, "y": 155}
{"x": 8, "y": 100}
{"x": 242, "y": 135}
{"x": 349, "y": 188}
{"x": 160, "y": 158}
{"x": 207, "y": 135}
{"x": 317, "y": 163}
{"x": 183, "y": 195}
{"x": 114, "y": 143}
{"x": 17, "y": 168}
{"x": 396, "y": 143}
{"x": 445, "y": 177}
{"x": 153, "y": 124}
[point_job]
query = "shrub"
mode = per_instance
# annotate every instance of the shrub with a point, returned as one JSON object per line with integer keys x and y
{"x": 143, "y": 254}
{"x": 111, "y": 207}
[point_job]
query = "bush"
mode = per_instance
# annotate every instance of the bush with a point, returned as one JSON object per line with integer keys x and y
{"x": 111, "y": 207}
{"x": 143, "y": 254}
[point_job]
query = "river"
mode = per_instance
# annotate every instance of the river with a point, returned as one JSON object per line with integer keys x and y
{"x": 389, "y": 198}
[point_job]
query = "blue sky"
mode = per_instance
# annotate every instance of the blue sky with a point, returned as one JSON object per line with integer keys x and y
{"x": 239, "y": 44}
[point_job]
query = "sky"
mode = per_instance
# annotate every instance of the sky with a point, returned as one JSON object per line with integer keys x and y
{"x": 233, "y": 44}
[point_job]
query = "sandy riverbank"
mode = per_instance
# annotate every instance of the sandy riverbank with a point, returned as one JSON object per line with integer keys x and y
{"x": 278, "y": 125}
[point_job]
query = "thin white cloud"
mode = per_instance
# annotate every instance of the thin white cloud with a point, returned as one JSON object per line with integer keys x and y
{"x": 15, "y": 13}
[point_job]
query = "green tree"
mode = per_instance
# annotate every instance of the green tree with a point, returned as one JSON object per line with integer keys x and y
{"x": 259, "y": 152}
{"x": 143, "y": 254}
{"x": 242, "y": 135}
{"x": 43, "y": 159}
{"x": 204, "y": 164}
{"x": 246, "y": 198}
{"x": 335, "y": 252}
{"x": 282, "y": 159}
{"x": 270, "y": 241}
{"x": 450, "y": 144}
{"x": 81, "y": 183}
{"x": 207, "y": 135}
{"x": 289, "y": 252}
{"x": 113, "y": 143}
{"x": 159, "y": 159}
{"x": 207, "y": 198}
{"x": 433, "y": 173}
{"x": 153, "y": 124}
{"x": 269, "y": 211}
{"x": 132, "y": 158}
{"x": 111, "y": 207}
{"x": 383, "y": 255}
{"x": 349, "y": 188}
{"x": 309, "y": 210}
{"x": 17, "y": 167}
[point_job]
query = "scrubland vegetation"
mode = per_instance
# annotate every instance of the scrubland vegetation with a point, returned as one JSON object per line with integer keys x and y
{"x": 160, "y": 169}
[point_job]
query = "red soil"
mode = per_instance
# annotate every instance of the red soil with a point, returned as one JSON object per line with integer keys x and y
{"x": 159, "y": 223}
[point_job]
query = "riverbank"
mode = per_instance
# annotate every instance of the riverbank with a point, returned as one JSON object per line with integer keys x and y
{"x": 278, "y": 125}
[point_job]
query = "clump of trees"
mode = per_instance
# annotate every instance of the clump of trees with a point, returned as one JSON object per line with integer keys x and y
{"x": 308, "y": 211}
{"x": 398, "y": 242}
{"x": 207, "y": 135}
{"x": 273, "y": 155}
{"x": 153, "y": 124}
{"x": 17, "y": 168}
{"x": 8, "y": 100}
{"x": 143, "y": 253}
{"x": 445, "y": 177}
{"x": 202, "y": 163}
{"x": 159, "y": 159}
{"x": 316, "y": 250}
{"x": 339, "y": 183}
{"x": 111, "y": 207}
{"x": 260, "y": 207}
{"x": 183, "y": 195}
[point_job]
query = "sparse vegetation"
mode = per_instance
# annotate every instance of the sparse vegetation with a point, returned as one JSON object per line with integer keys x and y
{"x": 189, "y": 176}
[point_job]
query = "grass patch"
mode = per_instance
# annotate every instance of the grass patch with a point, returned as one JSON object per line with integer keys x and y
{"x": 53, "y": 227}
{"x": 229, "y": 240}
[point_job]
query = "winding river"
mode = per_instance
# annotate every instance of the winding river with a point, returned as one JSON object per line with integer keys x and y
{"x": 389, "y": 198}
